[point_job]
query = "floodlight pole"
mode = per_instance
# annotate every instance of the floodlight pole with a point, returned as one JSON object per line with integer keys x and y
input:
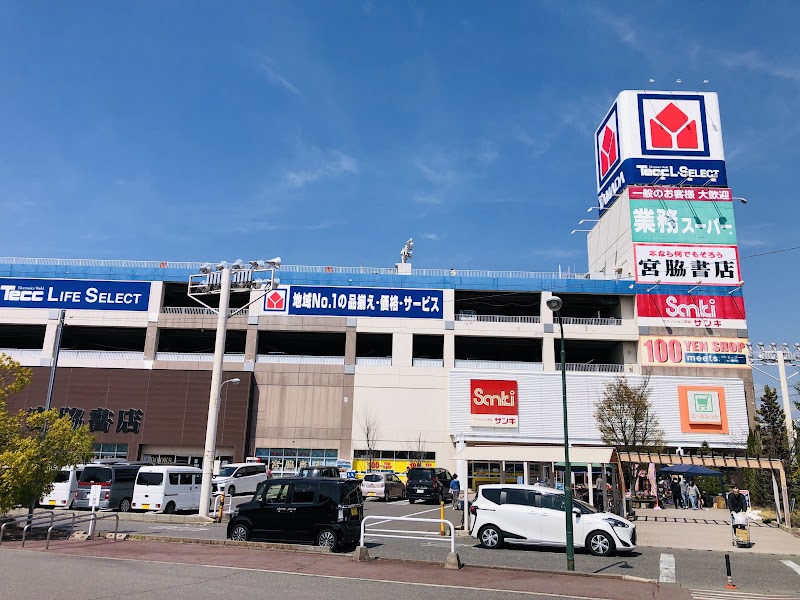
{"x": 216, "y": 386}
{"x": 567, "y": 465}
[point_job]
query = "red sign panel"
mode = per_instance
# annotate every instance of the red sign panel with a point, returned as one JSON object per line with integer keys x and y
{"x": 691, "y": 311}
{"x": 662, "y": 192}
{"x": 493, "y": 403}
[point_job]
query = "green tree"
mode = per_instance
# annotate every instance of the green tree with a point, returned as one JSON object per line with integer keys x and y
{"x": 772, "y": 426}
{"x": 35, "y": 446}
{"x": 756, "y": 481}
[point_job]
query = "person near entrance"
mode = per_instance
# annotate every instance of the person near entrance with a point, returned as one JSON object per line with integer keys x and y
{"x": 455, "y": 489}
{"x": 737, "y": 502}
{"x": 675, "y": 487}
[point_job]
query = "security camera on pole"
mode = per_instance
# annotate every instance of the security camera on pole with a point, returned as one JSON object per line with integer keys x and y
{"x": 222, "y": 280}
{"x": 555, "y": 304}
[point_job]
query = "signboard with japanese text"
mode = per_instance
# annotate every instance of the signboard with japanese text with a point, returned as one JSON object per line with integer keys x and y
{"x": 688, "y": 264}
{"x": 493, "y": 403}
{"x": 74, "y": 294}
{"x": 688, "y": 310}
{"x": 355, "y": 302}
{"x": 100, "y": 420}
{"x": 662, "y": 192}
{"x": 681, "y": 351}
{"x": 668, "y": 137}
{"x": 703, "y": 409}
{"x": 682, "y": 222}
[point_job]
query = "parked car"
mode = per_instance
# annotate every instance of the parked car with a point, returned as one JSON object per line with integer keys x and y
{"x": 325, "y": 511}
{"x": 239, "y": 478}
{"x": 167, "y": 488}
{"x": 318, "y": 471}
{"x": 117, "y": 482}
{"x": 526, "y": 514}
{"x": 382, "y": 485}
{"x": 65, "y": 485}
{"x": 428, "y": 483}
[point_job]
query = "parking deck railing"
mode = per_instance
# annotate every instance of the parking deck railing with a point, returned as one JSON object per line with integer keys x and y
{"x": 408, "y": 535}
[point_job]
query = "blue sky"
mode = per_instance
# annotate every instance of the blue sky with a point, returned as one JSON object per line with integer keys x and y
{"x": 330, "y": 132}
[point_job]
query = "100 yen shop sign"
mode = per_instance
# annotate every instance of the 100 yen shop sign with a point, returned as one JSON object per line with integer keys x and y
{"x": 693, "y": 352}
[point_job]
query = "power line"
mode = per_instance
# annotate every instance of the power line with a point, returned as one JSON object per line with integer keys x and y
{"x": 773, "y": 252}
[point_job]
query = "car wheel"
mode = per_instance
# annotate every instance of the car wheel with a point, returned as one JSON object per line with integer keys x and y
{"x": 490, "y": 537}
{"x": 232, "y": 491}
{"x": 327, "y": 539}
{"x": 169, "y": 508}
{"x": 125, "y": 505}
{"x": 411, "y": 500}
{"x": 600, "y": 543}
{"x": 240, "y": 533}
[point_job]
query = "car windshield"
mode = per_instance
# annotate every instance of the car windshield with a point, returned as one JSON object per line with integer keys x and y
{"x": 61, "y": 477}
{"x": 373, "y": 478}
{"x": 227, "y": 471}
{"x": 420, "y": 474}
{"x": 585, "y": 508}
{"x": 96, "y": 475}
{"x": 149, "y": 478}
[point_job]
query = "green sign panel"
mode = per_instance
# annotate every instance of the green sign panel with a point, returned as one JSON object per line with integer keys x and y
{"x": 682, "y": 222}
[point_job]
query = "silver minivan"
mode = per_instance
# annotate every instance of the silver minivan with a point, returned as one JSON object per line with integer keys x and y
{"x": 116, "y": 480}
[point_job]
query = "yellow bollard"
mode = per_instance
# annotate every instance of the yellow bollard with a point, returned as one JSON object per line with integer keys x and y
{"x": 441, "y": 513}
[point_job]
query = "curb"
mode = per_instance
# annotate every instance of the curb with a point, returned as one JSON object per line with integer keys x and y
{"x": 253, "y": 545}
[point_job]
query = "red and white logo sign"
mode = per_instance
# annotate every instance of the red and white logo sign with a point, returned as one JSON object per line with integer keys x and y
{"x": 275, "y": 301}
{"x": 683, "y": 310}
{"x": 673, "y": 124}
{"x": 493, "y": 403}
{"x": 607, "y": 145}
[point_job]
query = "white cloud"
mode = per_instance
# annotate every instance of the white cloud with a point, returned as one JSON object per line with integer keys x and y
{"x": 752, "y": 61}
{"x": 428, "y": 199}
{"x": 436, "y": 174}
{"x": 488, "y": 153}
{"x": 431, "y": 236}
{"x": 340, "y": 164}
{"x": 275, "y": 77}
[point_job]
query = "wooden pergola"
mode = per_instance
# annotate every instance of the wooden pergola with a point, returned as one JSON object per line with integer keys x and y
{"x": 731, "y": 462}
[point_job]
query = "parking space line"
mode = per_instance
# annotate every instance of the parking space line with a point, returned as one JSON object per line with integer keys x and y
{"x": 667, "y": 568}
{"x": 408, "y": 515}
{"x": 792, "y": 565}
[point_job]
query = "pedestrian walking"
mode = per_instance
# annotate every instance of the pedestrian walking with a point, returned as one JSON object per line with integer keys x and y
{"x": 737, "y": 502}
{"x": 694, "y": 494}
{"x": 455, "y": 490}
{"x": 684, "y": 485}
{"x": 675, "y": 488}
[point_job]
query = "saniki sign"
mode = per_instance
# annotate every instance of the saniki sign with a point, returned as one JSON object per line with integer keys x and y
{"x": 686, "y": 264}
{"x": 676, "y": 310}
{"x": 493, "y": 403}
{"x": 659, "y": 137}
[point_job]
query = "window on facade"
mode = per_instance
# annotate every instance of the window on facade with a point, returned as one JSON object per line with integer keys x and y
{"x": 110, "y": 450}
{"x": 76, "y": 337}
{"x": 22, "y": 336}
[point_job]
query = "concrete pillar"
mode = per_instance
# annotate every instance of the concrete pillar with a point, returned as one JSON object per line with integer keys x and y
{"x": 591, "y": 483}
{"x": 251, "y": 345}
{"x": 449, "y": 350}
{"x": 151, "y": 342}
{"x": 402, "y": 349}
{"x": 525, "y": 474}
{"x": 350, "y": 347}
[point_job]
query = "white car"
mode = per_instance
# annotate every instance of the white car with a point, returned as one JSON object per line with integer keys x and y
{"x": 239, "y": 478}
{"x": 527, "y": 514}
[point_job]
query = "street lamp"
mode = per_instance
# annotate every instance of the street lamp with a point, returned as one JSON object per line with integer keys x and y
{"x": 223, "y": 279}
{"x": 554, "y": 304}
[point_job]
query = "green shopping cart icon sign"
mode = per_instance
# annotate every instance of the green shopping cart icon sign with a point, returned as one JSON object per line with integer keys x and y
{"x": 703, "y": 403}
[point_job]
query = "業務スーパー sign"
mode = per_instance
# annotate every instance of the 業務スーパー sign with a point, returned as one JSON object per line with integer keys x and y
{"x": 354, "y": 302}
{"x": 493, "y": 403}
{"x": 74, "y": 294}
{"x": 682, "y": 222}
{"x": 657, "y": 351}
{"x": 686, "y": 264}
{"x": 685, "y": 310}
{"x": 663, "y": 137}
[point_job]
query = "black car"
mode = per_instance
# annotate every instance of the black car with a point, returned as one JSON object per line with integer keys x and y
{"x": 428, "y": 483}
{"x": 324, "y": 510}
{"x": 318, "y": 471}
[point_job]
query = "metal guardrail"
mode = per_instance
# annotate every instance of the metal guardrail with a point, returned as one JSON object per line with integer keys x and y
{"x": 592, "y": 368}
{"x": 197, "y": 357}
{"x": 21, "y": 353}
{"x": 195, "y": 266}
{"x": 215, "y": 505}
{"x": 94, "y": 518}
{"x": 300, "y": 358}
{"x": 498, "y": 364}
{"x": 198, "y": 310}
{"x": 496, "y": 319}
{"x": 102, "y": 354}
{"x": 419, "y": 535}
{"x": 26, "y": 517}
{"x": 383, "y": 361}
{"x": 427, "y": 362}
{"x": 594, "y": 321}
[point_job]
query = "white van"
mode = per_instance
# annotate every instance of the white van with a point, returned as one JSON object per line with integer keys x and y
{"x": 239, "y": 478}
{"x": 167, "y": 488}
{"x": 65, "y": 485}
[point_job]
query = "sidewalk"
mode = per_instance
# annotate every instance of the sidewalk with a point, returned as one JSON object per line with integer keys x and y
{"x": 707, "y": 529}
{"x": 604, "y": 587}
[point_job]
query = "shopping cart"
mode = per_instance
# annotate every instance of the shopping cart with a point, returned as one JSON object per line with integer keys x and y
{"x": 740, "y": 530}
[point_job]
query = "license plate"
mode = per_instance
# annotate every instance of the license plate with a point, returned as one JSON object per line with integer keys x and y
{"x": 419, "y": 491}
{"x": 354, "y": 510}
{"x": 145, "y": 506}
{"x": 52, "y": 502}
{"x": 371, "y": 494}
